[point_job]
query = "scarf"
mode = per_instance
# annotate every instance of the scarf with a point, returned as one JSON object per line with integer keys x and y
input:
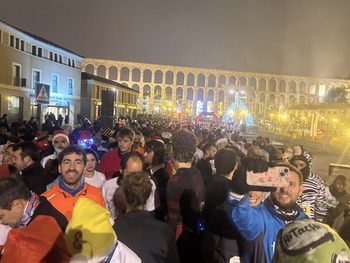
{"x": 73, "y": 192}
{"x": 29, "y": 209}
{"x": 287, "y": 215}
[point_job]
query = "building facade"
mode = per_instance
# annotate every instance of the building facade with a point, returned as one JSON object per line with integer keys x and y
{"x": 317, "y": 120}
{"x": 188, "y": 91}
{"x": 92, "y": 87}
{"x": 25, "y": 60}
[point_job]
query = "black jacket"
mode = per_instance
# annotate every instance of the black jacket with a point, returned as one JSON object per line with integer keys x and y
{"x": 151, "y": 239}
{"x": 47, "y": 209}
{"x": 35, "y": 178}
{"x": 222, "y": 240}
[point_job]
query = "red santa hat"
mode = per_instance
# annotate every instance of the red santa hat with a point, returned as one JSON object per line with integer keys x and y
{"x": 60, "y": 133}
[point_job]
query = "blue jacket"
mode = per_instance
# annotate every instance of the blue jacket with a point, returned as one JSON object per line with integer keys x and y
{"x": 259, "y": 225}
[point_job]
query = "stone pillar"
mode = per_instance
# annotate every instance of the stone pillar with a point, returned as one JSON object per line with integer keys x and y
{"x": 195, "y": 93}
{"x": 95, "y": 70}
{"x": 216, "y": 101}
{"x": 107, "y": 73}
{"x": 205, "y": 99}
{"x": 151, "y": 99}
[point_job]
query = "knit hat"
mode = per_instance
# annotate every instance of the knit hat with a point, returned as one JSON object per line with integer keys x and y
{"x": 221, "y": 140}
{"x": 91, "y": 151}
{"x": 166, "y": 135}
{"x": 40, "y": 241}
{"x": 309, "y": 241}
{"x": 89, "y": 234}
{"x": 60, "y": 133}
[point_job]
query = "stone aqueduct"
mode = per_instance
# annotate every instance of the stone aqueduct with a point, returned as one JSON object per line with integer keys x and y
{"x": 164, "y": 88}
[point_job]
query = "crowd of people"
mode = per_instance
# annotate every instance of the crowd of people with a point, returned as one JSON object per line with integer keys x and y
{"x": 158, "y": 191}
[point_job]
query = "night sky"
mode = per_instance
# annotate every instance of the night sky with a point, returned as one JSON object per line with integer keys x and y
{"x": 292, "y": 37}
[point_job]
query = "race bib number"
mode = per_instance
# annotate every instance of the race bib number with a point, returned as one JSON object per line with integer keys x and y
{"x": 307, "y": 210}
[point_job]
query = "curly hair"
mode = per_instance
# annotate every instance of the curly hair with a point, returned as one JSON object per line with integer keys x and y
{"x": 184, "y": 146}
{"x": 74, "y": 148}
{"x": 137, "y": 188}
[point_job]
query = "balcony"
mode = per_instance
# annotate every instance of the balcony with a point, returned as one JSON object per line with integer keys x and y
{"x": 19, "y": 82}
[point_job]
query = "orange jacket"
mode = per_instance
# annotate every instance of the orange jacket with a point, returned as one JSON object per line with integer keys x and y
{"x": 64, "y": 202}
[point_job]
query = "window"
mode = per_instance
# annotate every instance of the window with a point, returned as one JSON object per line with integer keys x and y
{"x": 17, "y": 42}
{"x": 35, "y": 77}
{"x": 12, "y": 41}
{"x": 54, "y": 83}
{"x": 60, "y": 59}
{"x": 55, "y": 57}
{"x": 69, "y": 62}
{"x": 15, "y": 107}
{"x": 16, "y": 73}
{"x": 34, "y": 50}
{"x": 22, "y": 45}
{"x": 70, "y": 86}
{"x": 0, "y": 36}
{"x": 73, "y": 63}
{"x": 51, "y": 55}
{"x": 40, "y": 52}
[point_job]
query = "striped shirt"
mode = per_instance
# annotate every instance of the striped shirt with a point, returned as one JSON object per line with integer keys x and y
{"x": 313, "y": 199}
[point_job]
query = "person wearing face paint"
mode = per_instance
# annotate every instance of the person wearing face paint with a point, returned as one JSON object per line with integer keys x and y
{"x": 313, "y": 198}
{"x": 60, "y": 141}
{"x": 259, "y": 224}
{"x": 71, "y": 184}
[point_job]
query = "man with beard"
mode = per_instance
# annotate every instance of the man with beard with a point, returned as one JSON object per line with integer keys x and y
{"x": 71, "y": 185}
{"x": 338, "y": 199}
{"x": 313, "y": 199}
{"x": 204, "y": 165}
{"x": 260, "y": 224}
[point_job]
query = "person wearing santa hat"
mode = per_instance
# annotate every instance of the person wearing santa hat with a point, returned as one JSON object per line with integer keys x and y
{"x": 60, "y": 141}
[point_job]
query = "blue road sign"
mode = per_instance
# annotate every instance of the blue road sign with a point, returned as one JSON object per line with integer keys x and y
{"x": 42, "y": 93}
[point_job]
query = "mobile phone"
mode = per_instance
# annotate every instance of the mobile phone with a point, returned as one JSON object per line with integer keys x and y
{"x": 277, "y": 176}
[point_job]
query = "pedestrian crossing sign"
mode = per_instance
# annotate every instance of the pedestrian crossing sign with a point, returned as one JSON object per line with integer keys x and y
{"x": 42, "y": 93}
